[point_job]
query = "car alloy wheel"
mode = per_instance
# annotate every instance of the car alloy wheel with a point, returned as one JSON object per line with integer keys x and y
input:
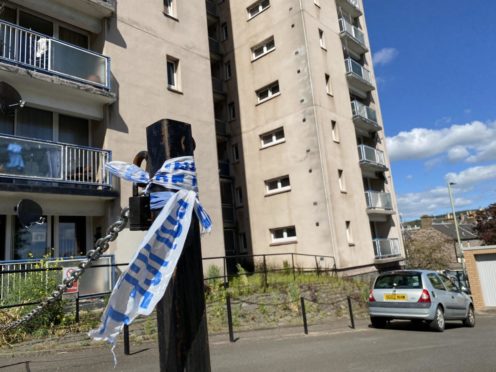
{"x": 469, "y": 321}
{"x": 438, "y": 323}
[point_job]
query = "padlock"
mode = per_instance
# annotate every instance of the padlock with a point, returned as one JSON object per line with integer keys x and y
{"x": 140, "y": 216}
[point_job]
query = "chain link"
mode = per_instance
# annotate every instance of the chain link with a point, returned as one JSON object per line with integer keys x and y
{"x": 101, "y": 246}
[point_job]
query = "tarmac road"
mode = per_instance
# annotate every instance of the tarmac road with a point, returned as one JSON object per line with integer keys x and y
{"x": 336, "y": 347}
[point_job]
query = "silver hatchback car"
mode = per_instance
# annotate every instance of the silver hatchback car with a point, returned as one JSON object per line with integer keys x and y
{"x": 418, "y": 295}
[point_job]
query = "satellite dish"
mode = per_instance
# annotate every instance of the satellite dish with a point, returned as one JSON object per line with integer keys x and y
{"x": 29, "y": 212}
{"x": 10, "y": 99}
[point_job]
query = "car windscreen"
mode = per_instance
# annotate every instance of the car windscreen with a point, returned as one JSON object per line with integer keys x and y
{"x": 399, "y": 280}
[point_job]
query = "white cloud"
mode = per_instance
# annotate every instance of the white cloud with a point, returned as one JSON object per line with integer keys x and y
{"x": 415, "y": 204}
{"x": 475, "y": 140}
{"x": 472, "y": 176}
{"x": 385, "y": 56}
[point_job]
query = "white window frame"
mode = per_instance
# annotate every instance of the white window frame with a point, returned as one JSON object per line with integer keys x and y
{"x": 335, "y": 131}
{"x": 328, "y": 84}
{"x": 280, "y": 188}
{"x": 349, "y": 234}
{"x": 274, "y": 141}
{"x": 285, "y": 238}
{"x": 176, "y": 86}
{"x": 265, "y": 46}
{"x": 170, "y": 8}
{"x": 260, "y": 7}
{"x": 341, "y": 181}
{"x": 322, "y": 39}
{"x": 269, "y": 89}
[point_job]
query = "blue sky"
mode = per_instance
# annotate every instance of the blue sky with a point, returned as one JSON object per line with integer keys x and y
{"x": 435, "y": 63}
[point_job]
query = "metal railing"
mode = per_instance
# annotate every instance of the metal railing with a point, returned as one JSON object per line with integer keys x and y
{"x": 363, "y": 111}
{"x": 356, "y": 69}
{"x": 16, "y": 276}
{"x": 378, "y": 200}
{"x": 354, "y": 3}
{"x": 351, "y": 30}
{"x": 30, "y": 49}
{"x": 212, "y": 8}
{"x": 224, "y": 168}
{"x": 52, "y": 161}
{"x": 368, "y": 154}
{"x": 218, "y": 85}
{"x": 384, "y": 248}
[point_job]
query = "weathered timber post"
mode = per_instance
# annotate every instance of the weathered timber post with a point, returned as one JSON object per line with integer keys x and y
{"x": 181, "y": 314}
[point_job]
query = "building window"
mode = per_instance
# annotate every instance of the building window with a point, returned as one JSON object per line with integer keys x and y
{"x": 342, "y": 183}
{"x": 335, "y": 131}
{"x": 257, "y": 8}
{"x": 243, "y": 244}
{"x": 328, "y": 84}
{"x": 272, "y": 138}
{"x": 235, "y": 152}
{"x": 261, "y": 49}
{"x": 231, "y": 111}
{"x": 228, "y": 70}
{"x": 283, "y": 235}
{"x": 239, "y": 196}
{"x": 322, "y": 39}
{"x": 170, "y": 8}
{"x": 349, "y": 235}
{"x": 268, "y": 92}
{"x": 224, "y": 32}
{"x": 173, "y": 73}
{"x": 277, "y": 185}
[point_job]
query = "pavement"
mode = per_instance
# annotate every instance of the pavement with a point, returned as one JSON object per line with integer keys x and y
{"x": 331, "y": 347}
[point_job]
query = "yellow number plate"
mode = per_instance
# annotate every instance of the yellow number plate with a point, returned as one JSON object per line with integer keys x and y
{"x": 395, "y": 297}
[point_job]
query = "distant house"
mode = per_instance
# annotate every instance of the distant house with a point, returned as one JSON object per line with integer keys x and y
{"x": 443, "y": 233}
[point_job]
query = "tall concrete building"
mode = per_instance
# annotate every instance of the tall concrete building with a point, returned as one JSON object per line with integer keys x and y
{"x": 306, "y": 167}
{"x": 283, "y": 106}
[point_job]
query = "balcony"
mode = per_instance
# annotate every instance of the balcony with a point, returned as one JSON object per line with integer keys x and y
{"x": 45, "y": 161}
{"x": 214, "y": 47}
{"x": 359, "y": 78}
{"x": 353, "y": 38}
{"x": 364, "y": 118}
{"x": 224, "y": 168}
{"x": 85, "y": 14}
{"x": 371, "y": 158}
{"x": 212, "y": 12}
{"x": 218, "y": 89}
{"x": 386, "y": 248}
{"x": 221, "y": 128}
{"x": 379, "y": 202}
{"x": 34, "y": 51}
{"x": 351, "y": 7}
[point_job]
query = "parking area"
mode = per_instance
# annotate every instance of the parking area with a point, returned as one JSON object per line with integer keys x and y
{"x": 400, "y": 347}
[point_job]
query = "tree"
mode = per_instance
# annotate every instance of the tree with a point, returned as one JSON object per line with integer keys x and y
{"x": 486, "y": 225}
{"x": 426, "y": 255}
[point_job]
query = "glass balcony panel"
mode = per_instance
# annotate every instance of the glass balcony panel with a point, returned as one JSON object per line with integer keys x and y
{"x": 378, "y": 200}
{"x": 351, "y": 30}
{"x": 384, "y": 248}
{"x": 49, "y": 161}
{"x": 43, "y": 53}
{"x": 365, "y": 112}
{"x": 78, "y": 63}
{"x": 357, "y": 69}
{"x": 371, "y": 155}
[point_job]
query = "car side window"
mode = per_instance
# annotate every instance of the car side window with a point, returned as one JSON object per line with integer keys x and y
{"x": 436, "y": 282}
{"x": 448, "y": 283}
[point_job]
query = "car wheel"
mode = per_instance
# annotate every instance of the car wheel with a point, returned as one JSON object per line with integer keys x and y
{"x": 437, "y": 323}
{"x": 378, "y": 322}
{"x": 469, "y": 321}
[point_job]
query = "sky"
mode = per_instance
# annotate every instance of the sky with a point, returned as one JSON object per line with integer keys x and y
{"x": 435, "y": 66}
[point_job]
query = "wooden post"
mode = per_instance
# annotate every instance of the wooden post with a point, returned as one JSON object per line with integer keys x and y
{"x": 181, "y": 314}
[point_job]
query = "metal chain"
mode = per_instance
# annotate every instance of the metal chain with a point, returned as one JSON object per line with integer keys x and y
{"x": 101, "y": 246}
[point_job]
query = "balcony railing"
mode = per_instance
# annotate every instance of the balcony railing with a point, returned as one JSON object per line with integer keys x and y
{"x": 224, "y": 168}
{"x": 352, "y": 31}
{"x": 356, "y": 69}
{"x": 51, "y": 161}
{"x": 378, "y": 200}
{"x": 363, "y": 111}
{"x": 33, "y": 50}
{"x": 214, "y": 45}
{"x": 218, "y": 86}
{"x": 370, "y": 155}
{"x": 212, "y": 8}
{"x": 221, "y": 127}
{"x": 384, "y": 248}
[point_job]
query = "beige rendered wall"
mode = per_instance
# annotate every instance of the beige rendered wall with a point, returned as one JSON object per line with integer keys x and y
{"x": 139, "y": 37}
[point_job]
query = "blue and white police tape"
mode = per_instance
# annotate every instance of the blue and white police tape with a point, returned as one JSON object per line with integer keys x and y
{"x": 144, "y": 282}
